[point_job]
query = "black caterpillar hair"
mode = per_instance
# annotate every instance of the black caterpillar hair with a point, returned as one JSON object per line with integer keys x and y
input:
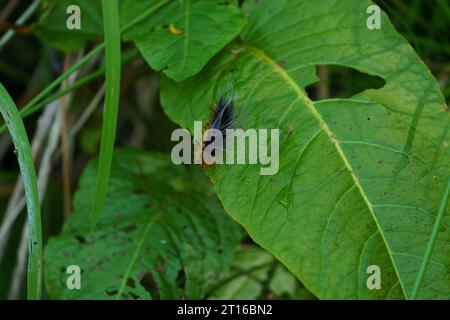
{"x": 223, "y": 116}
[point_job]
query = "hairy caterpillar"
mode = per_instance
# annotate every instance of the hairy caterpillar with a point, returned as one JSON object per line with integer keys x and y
{"x": 223, "y": 118}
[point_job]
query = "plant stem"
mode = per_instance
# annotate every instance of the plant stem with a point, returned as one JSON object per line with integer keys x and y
{"x": 64, "y": 76}
{"x": 80, "y": 83}
{"x": 30, "y": 105}
{"x": 431, "y": 242}
{"x": 65, "y": 146}
{"x": 127, "y": 57}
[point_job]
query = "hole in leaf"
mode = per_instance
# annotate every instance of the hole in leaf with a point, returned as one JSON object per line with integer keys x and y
{"x": 131, "y": 283}
{"x": 341, "y": 82}
{"x": 111, "y": 292}
{"x": 133, "y": 295}
{"x": 80, "y": 239}
{"x": 149, "y": 283}
{"x": 181, "y": 279}
{"x": 129, "y": 228}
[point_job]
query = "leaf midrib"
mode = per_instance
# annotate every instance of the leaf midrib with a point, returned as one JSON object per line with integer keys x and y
{"x": 136, "y": 253}
{"x": 187, "y": 13}
{"x": 296, "y": 88}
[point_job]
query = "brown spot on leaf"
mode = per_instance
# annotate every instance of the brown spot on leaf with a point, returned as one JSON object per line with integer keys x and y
{"x": 289, "y": 132}
{"x": 130, "y": 282}
{"x": 133, "y": 295}
{"x": 282, "y": 63}
{"x": 80, "y": 239}
{"x": 160, "y": 268}
{"x": 129, "y": 228}
{"x": 111, "y": 292}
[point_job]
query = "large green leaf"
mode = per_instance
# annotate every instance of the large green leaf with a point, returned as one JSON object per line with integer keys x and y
{"x": 360, "y": 179}
{"x": 162, "y": 234}
{"x": 183, "y": 35}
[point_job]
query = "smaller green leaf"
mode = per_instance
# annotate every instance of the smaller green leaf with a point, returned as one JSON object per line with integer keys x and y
{"x": 162, "y": 234}
{"x": 184, "y": 35}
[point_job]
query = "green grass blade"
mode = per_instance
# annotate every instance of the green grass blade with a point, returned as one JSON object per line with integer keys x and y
{"x": 111, "y": 28}
{"x": 23, "y": 149}
{"x": 64, "y": 76}
{"x": 61, "y": 78}
{"x": 30, "y": 107}
{"x": 431, "y": 242}
{"x": 76, "y": 85}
